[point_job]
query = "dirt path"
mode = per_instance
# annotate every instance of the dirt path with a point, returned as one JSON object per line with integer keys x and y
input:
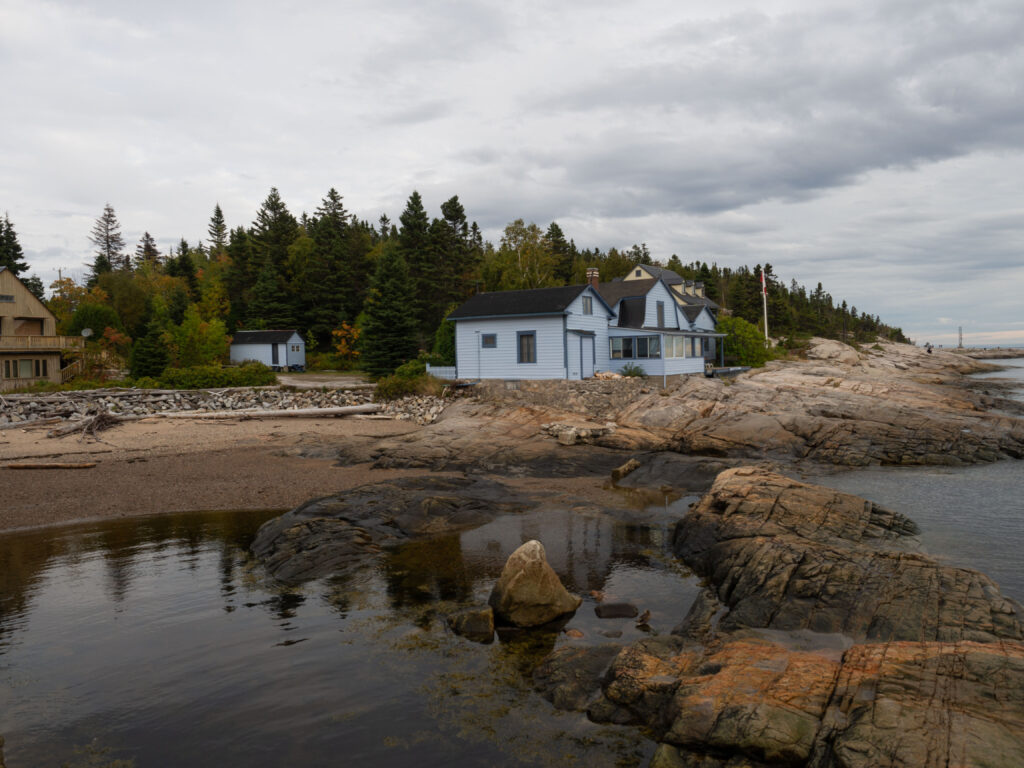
{"x": 153, "y": 466}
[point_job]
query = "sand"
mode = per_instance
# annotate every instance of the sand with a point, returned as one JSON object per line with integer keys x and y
{"x": 157, "y": 465}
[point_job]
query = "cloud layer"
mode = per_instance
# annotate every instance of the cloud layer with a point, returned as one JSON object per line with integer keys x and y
{"x": 871, "y": 146}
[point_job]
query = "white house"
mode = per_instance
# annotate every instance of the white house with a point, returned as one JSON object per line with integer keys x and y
{"x": 573, "y": 331}
{"x": 281, "y": 350}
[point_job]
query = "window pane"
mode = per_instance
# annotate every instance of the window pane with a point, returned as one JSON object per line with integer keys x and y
{"x": 527, "y": 348}
{"x": 641, "y": 347}
{"x": 627, "y": 348}
{"x": 661, "y": 314}
{"x": 24, "y": 369}
{"x": 588, "y": 305}
{"x": 654, "y": 347}
{"x": 616, "y": 347}
{"x": 489, "y": 340}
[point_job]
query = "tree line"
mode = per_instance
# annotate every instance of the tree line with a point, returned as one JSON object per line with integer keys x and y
{"x": 379, "y": 289}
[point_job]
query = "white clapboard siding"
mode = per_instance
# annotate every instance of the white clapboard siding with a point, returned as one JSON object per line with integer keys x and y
{"x": 660, "y": 292}
{"x": 502, "y": 362}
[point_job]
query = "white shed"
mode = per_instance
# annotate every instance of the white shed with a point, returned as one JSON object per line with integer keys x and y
{"x": 281, "y": 350}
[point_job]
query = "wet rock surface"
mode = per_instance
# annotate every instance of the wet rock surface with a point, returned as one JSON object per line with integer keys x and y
{"x": 337, "y": 533}
{"x": 476, "y": 624}
{"x": 785, "y": 555}
{"x": 528, "y": 592}
{"x": 818, "y": 643}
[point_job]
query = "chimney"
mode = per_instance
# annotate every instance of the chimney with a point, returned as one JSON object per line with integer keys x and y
{"x": 593, "y": 277}
{"x": 698, "y": 288}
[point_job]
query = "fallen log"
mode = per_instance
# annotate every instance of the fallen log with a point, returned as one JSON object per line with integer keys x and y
{"x": 260, "y": 413}
{"x": 54, "y": 465}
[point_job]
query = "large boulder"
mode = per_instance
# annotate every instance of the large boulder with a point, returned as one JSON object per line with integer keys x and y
{"x": 529, "y": 593}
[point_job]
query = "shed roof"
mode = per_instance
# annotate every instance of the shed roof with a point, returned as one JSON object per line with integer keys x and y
{"x": 262, "y": 337}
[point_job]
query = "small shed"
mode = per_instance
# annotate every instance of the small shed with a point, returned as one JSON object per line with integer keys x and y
{"x": 281, "y": 350}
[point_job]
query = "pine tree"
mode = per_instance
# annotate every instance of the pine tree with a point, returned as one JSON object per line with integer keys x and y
{"x": 35, "y": 286}
{"x": 559, "y": 248}
{"x": 415, "y": 246}
{"x": 389, "y": 331}
{"x": 106, "y": 236}
{"x": 330, "y": 276}
{"x": 217, "y": 230}
{"x": 10, "y": 248}
{"x": 146, "y": 252}
{"x": 273, "y": 231}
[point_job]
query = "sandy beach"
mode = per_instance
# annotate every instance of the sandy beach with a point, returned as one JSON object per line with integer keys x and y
{"x": 155, "y": 465}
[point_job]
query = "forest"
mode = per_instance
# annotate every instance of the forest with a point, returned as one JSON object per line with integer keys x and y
{"x": 363, "y": 294}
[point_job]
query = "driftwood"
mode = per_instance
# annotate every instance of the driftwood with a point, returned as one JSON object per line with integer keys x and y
{"x": 53, "y": 465}
{"x": 105, "y": 420}
{"x": 258, "y": 413}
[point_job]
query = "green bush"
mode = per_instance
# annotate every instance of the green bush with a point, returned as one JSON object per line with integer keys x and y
{"x": 413, "y": 369}
{"x": 251, "y": 374}
{"x": 394, "y": 387}
{"x": 632, "y": 369}
{"x": 744, "y": 343}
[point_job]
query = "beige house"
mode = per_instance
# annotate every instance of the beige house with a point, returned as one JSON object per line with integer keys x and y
{"x": 30, "y": 349}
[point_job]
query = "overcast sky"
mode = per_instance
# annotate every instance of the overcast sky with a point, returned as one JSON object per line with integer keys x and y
{"x": 876, "y": 147}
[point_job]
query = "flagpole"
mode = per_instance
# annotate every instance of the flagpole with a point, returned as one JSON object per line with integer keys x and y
{"x": 764, "y": 299}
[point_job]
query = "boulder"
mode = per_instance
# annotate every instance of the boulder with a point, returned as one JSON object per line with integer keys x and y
{"x": 476, "y": 624}
{"x": 529, "y": 592}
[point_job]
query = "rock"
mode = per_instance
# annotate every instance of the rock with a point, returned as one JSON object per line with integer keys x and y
{"x": 621, "y": 471}
{"x": 786, "y": 555}
{"x": 834, "y": 351}
{"x": 476, "y": 624}
{"x": 616, "y": 611}
{"x": 571, "y": 676}
{"x": 339, "y": 533}
{"x": 529, "y": 592}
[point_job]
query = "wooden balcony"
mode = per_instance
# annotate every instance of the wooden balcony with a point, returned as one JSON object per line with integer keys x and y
{"x": 40, "y": 343}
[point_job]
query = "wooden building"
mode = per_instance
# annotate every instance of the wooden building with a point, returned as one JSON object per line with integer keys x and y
{"x": 30, "y": 349}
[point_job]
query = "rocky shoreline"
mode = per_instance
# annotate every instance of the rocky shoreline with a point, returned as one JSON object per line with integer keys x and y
{"x": 823, "y": 637}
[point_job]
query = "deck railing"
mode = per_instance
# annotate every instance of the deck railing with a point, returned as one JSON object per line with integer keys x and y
{"x": 40, "y": 343}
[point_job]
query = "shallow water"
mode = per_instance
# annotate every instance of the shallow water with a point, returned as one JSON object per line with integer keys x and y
{"x": 161, "y": 640}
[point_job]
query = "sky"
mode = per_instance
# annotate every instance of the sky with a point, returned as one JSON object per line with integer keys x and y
{"x": 874, "y": 146}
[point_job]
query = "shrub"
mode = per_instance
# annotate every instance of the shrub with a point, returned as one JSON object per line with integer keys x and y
{"x": 250, "y": 374}
{"x": 412, "y": 369}
{"x": 743, "y": 341}
{"x": 394, "y": 387}
{"x": 632, "y": 369}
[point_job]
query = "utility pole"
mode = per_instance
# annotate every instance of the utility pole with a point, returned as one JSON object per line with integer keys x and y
{"x": 961, "y": 328}
{"x": 764, "y": 299}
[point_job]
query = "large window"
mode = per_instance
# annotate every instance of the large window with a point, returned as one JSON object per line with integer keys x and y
{"x": 675, "y": 346}
{"x": 588, "y": 305}
{"x": 634, "y": 347}
{"x": 527, "y": 344}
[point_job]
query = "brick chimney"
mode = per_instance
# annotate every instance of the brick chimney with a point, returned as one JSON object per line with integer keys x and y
{"x": 593, "y": 277}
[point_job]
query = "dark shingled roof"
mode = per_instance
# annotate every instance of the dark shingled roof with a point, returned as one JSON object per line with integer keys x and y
{"x": 537, "y": 301}
{"x": 624, "y": 289}
{"x": 632, "y": 311}
{"x": 698, "y": 301}
{"x": 262, "y": 337}
{"x": 692, "y": 311}
{"x": 670, "y": 277}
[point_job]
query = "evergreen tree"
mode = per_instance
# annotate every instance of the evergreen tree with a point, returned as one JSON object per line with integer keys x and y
{"x": 149, "y": 353}
{"x": 106, "y": 237}
{"x": 218, "y": 230}
{"x": 35, "y": 286}
{"x": 556, "y": 243}
{"x": 240, "y": 275}
{"x": 184, "y": 267}
{"x": 389, "y": 331}
{"x": 10, "y": 248}
{"x": 146, "y": 252}
{"x": 268, "y": 307}
{"x": 414, "y": 242}
{"x": 273, "y": 231}
{"x": 331, "y": 276}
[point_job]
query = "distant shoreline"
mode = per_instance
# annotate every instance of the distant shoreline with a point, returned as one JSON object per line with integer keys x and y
{"x": 990, "y": 353}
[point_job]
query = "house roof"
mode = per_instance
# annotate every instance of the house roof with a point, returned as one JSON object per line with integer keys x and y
{"x": 624, "y": 289}
{"x": 536, "y": 301}
{"x": 670, "y": 277}
{"x": 697, "y": 301}
{"x": 692, "y": 311}
{"x": 262, "y": 337}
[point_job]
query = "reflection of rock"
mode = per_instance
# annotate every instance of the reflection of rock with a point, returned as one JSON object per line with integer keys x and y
{"x": 529, "y": 592}
{"x": 340, "y": 532}
{"x": 620, "y": 472}
{"x": 475, "y": 624}
{"x": 616, "y": 611}
{"x": 813, "y": 646}
{"x": 786, "y": 555}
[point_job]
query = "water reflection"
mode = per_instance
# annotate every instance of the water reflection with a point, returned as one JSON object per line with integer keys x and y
{"x": 145, "y": 633}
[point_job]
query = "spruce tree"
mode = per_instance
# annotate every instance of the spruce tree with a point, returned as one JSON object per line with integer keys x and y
{"x": 273, "y": 231}
{"x": 10, "y": 249}
{"x": 559, "y": 248}
{"x": 217, "y": 230}
{"x": 268, "y": 306}
{"x": 389, "y": 330}
{"x": 330, "y": 276}
{"x": 146, "y": 252}
{"x": 416, "y": 247}
{"x": 106, "y": 237}
{"x": 149, "y": 353}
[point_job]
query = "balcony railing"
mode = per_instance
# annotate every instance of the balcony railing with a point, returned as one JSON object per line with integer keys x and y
{"x": 40, "y": 343}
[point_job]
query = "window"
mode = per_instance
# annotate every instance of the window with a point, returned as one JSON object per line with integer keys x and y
{"x": 24, "y": 369}
{"x": 7, "y": 369}
{"x": 527, "y": 343}
{"x": 630, "y": 347}
{"x": 639, "y": 273}
{"x": 489, "y": 340}
{"x": 7, "y": 297}
{"x": 588, "y": 305}
{"x": 661, "y": 314}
